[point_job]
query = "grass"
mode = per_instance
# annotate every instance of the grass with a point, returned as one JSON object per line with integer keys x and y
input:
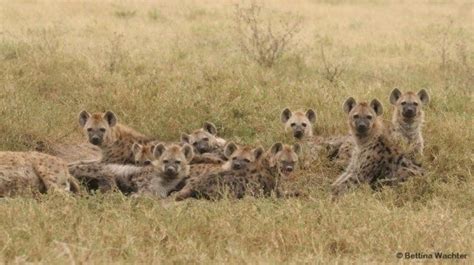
{"x": 169, "y": 66}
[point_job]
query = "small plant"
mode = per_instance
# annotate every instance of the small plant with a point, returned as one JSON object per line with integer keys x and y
{"x": 261, "y": 39}
{"x": 155, "y": 15}
{"x": 125, "y": 13}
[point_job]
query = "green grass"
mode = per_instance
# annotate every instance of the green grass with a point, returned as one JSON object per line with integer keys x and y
{"x": 165, "y": 68}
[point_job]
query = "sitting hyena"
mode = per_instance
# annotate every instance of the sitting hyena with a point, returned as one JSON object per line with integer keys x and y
{"x": 114, "y": 139}
{"x": 208, "y": 147}
{"x": 238, "y": 159}
{"x": 374, "y": 159}
{"x": 33, "y": 172}
{"x": 260, "y": 178}
{"x": 300, "y": 124}
{"x": 408, "y": 117}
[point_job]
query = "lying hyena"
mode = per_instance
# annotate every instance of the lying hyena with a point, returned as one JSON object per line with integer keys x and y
{"x": 408, "y": 117}
{"x": 208, "y": 147}
{"x": 143, "y": 153}
{"x": 260, "y": 178}
{"x": 375, "y": 160}
{"x": 33, "y": 172}
{"x": 114, "y": 139}
{"x": 238, "y": 159}
{"x": 167, "y": 173}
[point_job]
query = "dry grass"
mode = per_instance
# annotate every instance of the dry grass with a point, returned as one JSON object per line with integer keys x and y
{"x": 165, "y": 67}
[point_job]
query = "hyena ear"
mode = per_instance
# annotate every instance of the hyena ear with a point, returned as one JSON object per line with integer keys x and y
{"x": 285, "y": 115}
{"x": 210, "y": 127}
{"x": 258, "y": 152}
{"x": 424, "y": 97}
{"x": 349, "y": 104}
{"x": 276, "y": 147}
{"x": 311, "y": 115}
{"x": 83, "y": 117}
{"x": 159, "y": 150}
{"x": 185, "y": 139}
{"x": 111, "y": 118}
{"x": 229, "y": 149}
{"x": 297, "y": 148}
{"x": 395, "y": 95}
{"x": 136, "y": 147}
{"x": 188, "y": 152}
{"x": 376, "y": 106}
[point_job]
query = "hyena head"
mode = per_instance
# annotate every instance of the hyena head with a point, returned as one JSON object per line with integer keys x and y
{"x": 285, "y": 158}
{"x": 241, "y": 158}
{"x": 408, "y": 105}
{"x": 203, "y": 140}
{"x": 143, "y": 153}
{"x": 363, "y": 118}
{"x": 299, "y": 123}
{"x": 98, "y": 126}
{"x": 173, "y": 161}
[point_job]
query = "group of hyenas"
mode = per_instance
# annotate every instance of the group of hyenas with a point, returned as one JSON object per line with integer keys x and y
{"x": 203, "y": 165}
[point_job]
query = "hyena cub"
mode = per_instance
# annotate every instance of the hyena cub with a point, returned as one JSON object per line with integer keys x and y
{"x": 143, "y": 153}
{"x": 408, "y": 117}
{"x": 168, "y": 173}
{"x": 374, "y": 160}
{"x": 238, "y": 159}
{"x": 208, "y": 147}
{"x": 260, "y": 178}
{"x": 114, "y": 139}
{"x": 33, "y": 172}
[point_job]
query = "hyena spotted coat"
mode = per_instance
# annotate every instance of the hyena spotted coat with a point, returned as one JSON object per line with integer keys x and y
{"x": 408, "y": 117}
{"x": 115, "y": 140}
{"x": 374, "y": 160}
{"x": 208, "y": 147}
{"x": 33, "y": 172}
{"x": 260, "y": 178}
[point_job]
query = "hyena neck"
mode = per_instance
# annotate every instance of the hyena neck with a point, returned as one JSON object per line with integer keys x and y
{"x": 408, "y": 128}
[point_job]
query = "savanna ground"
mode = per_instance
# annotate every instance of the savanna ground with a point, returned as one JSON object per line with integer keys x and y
{"x": 166, "y": 67}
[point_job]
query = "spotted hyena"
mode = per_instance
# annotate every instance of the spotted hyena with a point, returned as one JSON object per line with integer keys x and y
{"x": 114, "y": 139}
{"x": 208, "y": 147}
{"x": 33, "y": 172}
{"x": 260, "y": 178}
{"x": 408, "y": 117}
{"x": 143, "y": 153}
{"x": 374, "y": 160}
{"x": 238, "y": 159}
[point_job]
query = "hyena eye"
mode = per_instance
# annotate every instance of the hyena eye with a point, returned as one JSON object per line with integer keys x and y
{"x": 177, "y": 162}
{"x": 234, "y": 158}
{"x": 369, "y": 117}
{"x": 415, "y": 103}
{"x": 356, "y": 116}
{"x": 293, "y": 124}
{"x": 304, "y": 124}
{"x": 165, "y": 161}
{"x": 195, "y": 144}
{"x": 403, "y": 103}
{"x": 246, "y": 160}
{"x": 102, "y": 129}
{"x": 205, "y": 139}
{"x": 89, "y": 129}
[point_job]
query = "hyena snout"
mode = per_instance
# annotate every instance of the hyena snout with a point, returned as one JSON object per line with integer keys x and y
{"x": 202, "y": 147}
{"x": 409, "y": 111}
{"x": 171, "y": 170}
{"x": 96, "y": 140}
{"x": 362, "y": 126}
{"x": 287, "y": 167}
{"x": 298, "y": 132}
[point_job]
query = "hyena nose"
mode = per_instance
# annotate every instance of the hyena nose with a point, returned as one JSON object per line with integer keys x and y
{"x": 170, "y": 171}
{"x": 409, "y": 112}
{"x": 298, "y": 134}
{"x": 147, "y": 162}
{"x": 236, "y": 166}
{"x": 95, "y": 140}
{"x": 361, "y": 127}
{"x": 289, "y": 168}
